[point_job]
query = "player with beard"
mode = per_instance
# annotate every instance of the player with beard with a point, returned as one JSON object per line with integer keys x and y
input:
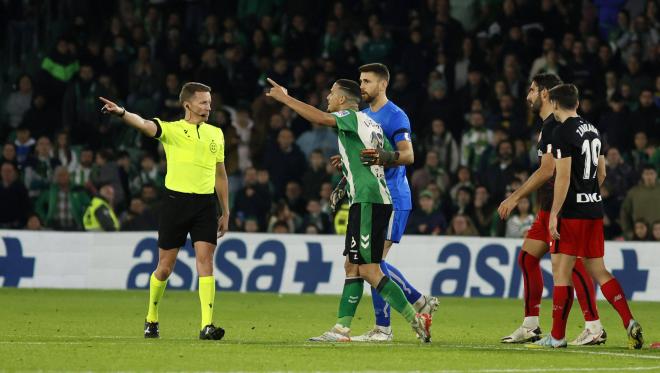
{"x": 538, "y": 240}
{"x": 374, "y": 79}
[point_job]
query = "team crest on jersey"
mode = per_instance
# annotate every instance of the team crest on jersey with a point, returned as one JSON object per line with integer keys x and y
{"x": 213, "y": 147}
{"x": 342, "y": 113}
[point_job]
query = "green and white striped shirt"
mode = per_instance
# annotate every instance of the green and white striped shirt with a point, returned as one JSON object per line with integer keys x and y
{"x": 356, "y": 132}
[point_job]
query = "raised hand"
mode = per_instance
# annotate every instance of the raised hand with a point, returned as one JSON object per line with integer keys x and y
{"x": 277, "y": 92}
{"x": 335, "y": 161}
{"x": 111, "y": 108}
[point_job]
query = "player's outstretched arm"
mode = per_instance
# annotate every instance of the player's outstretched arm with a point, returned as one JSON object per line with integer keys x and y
{"x": 306, "y": 111}
{"x": 534, "y": 182}
{"x": 145, "y": 126}
{"x": 562, "y": 181}
{"x": 601, "y": 173}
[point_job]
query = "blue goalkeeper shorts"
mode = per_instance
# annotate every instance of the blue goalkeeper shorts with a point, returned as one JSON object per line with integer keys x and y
{"x": 397, "y": 225}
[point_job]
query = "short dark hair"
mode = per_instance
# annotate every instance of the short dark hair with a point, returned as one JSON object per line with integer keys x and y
{"x": 351, "y": 87}
{"x": 565, "y": 95}
{"x": 189, "y": 89}
{"x": 546, "y": 81}
{"x": 377, "y": 68}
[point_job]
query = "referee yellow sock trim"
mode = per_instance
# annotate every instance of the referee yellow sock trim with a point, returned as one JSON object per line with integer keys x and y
{"x": 206, "y": 299}
{"x": 156, "y": 291}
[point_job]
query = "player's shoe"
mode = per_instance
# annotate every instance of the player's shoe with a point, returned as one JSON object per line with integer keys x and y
{"x": 151, "y": 330}
{"x": 374, "y": 335}
{"x": 430, "y": 306}
{"x": 338, "y": 333}
{"x": 422, "y": 326}
{"x": 211, "y": 332}
{"x": 523, "y": 335}
{"x": 548, "y": 342}
{"x": 635, "y": 337}
{"x": 590, "y": 338}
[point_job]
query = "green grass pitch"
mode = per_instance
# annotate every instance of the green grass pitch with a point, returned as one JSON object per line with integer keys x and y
{"x": 67, "y": 330}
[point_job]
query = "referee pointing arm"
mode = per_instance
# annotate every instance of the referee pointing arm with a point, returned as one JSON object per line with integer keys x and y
{"x": 195, "y": 167}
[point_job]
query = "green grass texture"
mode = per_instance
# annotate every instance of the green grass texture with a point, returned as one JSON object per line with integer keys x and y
{"x": 95, "y": 330}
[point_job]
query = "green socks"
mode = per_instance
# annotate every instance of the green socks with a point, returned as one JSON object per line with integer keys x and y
{"x": 350, "y": 298}
{"x": 206, "y": 299}
{"x": 156, "y": 290}
{"x": 393, "y": 295}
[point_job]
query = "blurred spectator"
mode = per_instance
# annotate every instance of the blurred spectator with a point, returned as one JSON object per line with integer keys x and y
{"x": 464, "y": 176}
{"x": 426, "y": 219}
{"x": 294, "y": 198}
{"x": 39, "y": 168}
{"x": 43, "y": 118}
{"x": 647, "y": 117}
{"x": 474, "y": 141}
{"x": 33, "y": 223}
{"x": 24, "y": 144}
{"x": 638, "y": 156}
{"x": 315, "y": 217}
{"x": 100, "y": 215}
{"x": 520, "y": 220}
{"x": 655, "y": 230}
{"x": 80, "y": 111}
{"x": 430, "y": 173}
{"x": 9, "y": 154}
{"x": 641, "y": 202}
{"x": 138, "y": 217}
{"x": 461, "y": 225}
{"x": 315, "y": 175}
{"x": 611, "y": 212}
{"x": 612, "y": 124}
{"x": 252, "y": 200}
{"x": 484, "y": 210}
{"x": 169, "y": 105}
{"x": 443, "y": 143}
{"x": 499, "y": 173}
{"x": 640, "y": 231}
{"x": 64, "y": 153}
{"x": 82, "y": 173}
{"x": 149, "y": 173}
{"x": 619, "y": 174}
{"x": 282, "y": 214}
{"x": 58, "y": 68}
{"x": 19, "y": 101}
{"x": 318, "y": 137}
{"x": 13, "y": 198}
{"x": 62, "y": 206}
{"x": 284, "y": 161}
{"x": 106, "y": 171}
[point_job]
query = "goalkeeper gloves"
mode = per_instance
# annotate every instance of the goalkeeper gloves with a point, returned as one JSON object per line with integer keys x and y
{"x": 370, "y": 157}
{"x": 338, "y": 194}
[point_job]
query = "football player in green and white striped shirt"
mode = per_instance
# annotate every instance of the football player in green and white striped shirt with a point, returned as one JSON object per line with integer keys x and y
{"x": 370, "y": 205}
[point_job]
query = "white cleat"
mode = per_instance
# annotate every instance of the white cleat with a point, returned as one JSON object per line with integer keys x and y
{"x": 430, "y": 305}
{"x": 590, "y": 338}
{"x": 523, "y": 335}
{"x": 374, "y": 335}
{"x": 548, "y": 342}
{"x": 422, "y": 327}
{"x": 336, "y": 334}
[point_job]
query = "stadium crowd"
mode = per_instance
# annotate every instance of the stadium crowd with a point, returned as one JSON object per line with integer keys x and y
{"x": 460, "y": 70}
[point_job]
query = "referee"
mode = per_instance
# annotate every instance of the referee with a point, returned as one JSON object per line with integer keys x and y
{"x": 195, "y": 166}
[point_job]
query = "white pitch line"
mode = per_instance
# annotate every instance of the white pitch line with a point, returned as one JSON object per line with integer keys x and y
{"x": 229, "y": 343}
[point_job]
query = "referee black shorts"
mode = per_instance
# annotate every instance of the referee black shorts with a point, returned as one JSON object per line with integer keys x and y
{"x": 184, "y": 213}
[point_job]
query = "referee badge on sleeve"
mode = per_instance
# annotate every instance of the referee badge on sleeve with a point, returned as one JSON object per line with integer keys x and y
{"x": 213, "y": 147}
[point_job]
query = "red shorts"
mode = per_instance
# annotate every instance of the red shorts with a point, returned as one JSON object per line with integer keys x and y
{"x": 580, "y": 237}
{"x": 539, "y": 230}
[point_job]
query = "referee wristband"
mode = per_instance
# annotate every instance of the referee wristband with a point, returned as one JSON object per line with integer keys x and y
{"x": 122, "y": 113}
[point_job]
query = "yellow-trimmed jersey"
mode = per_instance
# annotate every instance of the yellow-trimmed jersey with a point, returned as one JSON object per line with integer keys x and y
{"x": 192, "y": 152}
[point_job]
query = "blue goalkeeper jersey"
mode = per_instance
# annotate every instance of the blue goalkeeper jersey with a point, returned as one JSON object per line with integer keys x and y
{"x": 396, "y": 127}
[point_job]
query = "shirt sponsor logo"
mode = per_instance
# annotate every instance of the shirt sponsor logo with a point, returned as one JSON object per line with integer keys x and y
{"x": 588, "y": 197}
